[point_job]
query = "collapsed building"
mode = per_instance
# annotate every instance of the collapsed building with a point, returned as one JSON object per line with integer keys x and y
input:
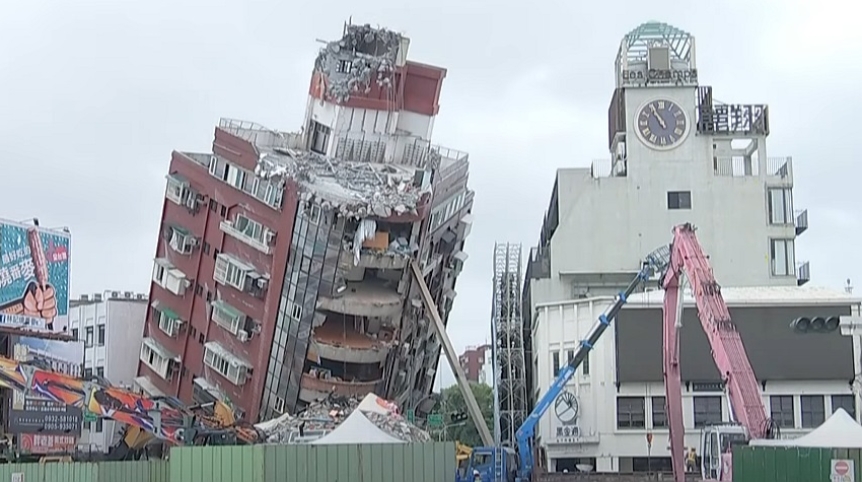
{"x": 282, "y": 274}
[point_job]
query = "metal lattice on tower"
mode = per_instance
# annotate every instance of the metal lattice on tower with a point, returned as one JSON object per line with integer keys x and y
{"x": 510, "y": 378}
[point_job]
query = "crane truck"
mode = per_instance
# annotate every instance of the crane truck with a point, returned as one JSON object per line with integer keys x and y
{"x": 749, "y": 419}
{"x": 493, "y": 463}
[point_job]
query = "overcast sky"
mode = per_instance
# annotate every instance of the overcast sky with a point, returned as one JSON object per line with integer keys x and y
{"x": 96, "y": 94}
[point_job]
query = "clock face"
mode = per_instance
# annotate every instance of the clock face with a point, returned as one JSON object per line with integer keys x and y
{"x": 566, "y": 407}
{"x": 661, "y": 124}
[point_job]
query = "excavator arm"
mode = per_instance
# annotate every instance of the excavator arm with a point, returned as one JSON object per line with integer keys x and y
{"x": 687, "y": 261}
{"x": 164, "y": 418}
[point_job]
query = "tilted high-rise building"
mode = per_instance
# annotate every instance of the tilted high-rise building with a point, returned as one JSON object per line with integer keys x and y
{"x": 282, "y": 270}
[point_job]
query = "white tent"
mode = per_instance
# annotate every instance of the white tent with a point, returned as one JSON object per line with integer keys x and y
{"x": 839, "y": 431}
{"x": 356, "y": 428}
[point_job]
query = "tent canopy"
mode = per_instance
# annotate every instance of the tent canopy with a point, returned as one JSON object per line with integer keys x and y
{"x": 356, "y": 428}
{"x": 839, "y": 431}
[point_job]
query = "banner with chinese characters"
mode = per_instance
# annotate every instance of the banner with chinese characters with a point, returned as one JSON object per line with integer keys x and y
{"x": 34, "y": 278}
{"x": 39, "y": 444}
{"x": 32, "y": 414}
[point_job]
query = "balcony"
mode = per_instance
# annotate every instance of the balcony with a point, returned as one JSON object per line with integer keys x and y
{"x": 396, "y": 149}
{"x": 803, "y": 273}
{"x": 780, "y": 167}
{"x": 179, "y": 192}
{"x": 371, "y": 298}
{"x": 315, "y": 388}
{"x": 168, "y": 320}
{"x": 336, "y": 339}
{"x": 229, "y": 271}
{"x": 801, "y": 221}
{"x": 249, "y": 232}
{"x": 222, "y": 361}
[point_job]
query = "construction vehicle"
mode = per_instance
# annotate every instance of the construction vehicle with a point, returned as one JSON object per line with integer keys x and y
{"x": 503, "y": 464}
{"x": 163, "y": 418}
{"x": 750, "y": 421}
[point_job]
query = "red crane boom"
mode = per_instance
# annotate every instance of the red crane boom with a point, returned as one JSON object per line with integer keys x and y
{"x": 746, "y": 406}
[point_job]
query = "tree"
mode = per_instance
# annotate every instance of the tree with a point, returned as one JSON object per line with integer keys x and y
{"x": 452, "y": 402}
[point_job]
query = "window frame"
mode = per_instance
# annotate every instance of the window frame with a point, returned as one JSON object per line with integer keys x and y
{"x": 659, "y": 408}
{"x": 789, "y": 255}
{"x": 679, "y": 200}
{"x": 809, "y": 414}
{"x": 844, "y": 396}
{"x": 785, "y": 215}
{"x": 706, "y": 410}
{"x": 555, "y": 363}
{"x": 627, "y": 413}
{"x": 783, "y": 415}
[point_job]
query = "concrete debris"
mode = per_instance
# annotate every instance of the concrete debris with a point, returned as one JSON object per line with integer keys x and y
{"x": 322, "y": 417}
{"x": 363, "y": 55}
{"x": 353, "y": 189}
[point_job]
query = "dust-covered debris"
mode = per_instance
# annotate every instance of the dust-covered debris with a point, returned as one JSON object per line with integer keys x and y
{"x": 363, "y": 55}
{"x": 322, "y": 417}
{"x": 353, "y": 189}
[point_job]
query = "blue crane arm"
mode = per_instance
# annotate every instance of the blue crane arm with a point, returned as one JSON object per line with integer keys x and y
{"x": 655, "y": 262}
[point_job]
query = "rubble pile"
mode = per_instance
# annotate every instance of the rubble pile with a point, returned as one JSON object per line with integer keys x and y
{"x": 322, "y": 417}
{"x": 354, "y": 189}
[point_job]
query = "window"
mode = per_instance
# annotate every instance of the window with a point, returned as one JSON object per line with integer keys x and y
{"x": 100, "y": 371}
{"x": 319, "y": 137}
{"x": 781, "y": 410}
{"x": 659, "y": 412}
{"x": 249, "y": 228}
{"x": 296, "y": 311}
{"x": 782, "y": 257}
{"x": 813, "y": 410}
{"x": 75, "y": 334}
{"x": 180, "y": 240}
{"x": 88, "y": 336}
{"x": 99, "y": 425}
{"x": 176, "y": 190}
{"x": 313, "y": 214}
{"x": 555, "y": 363}
{"x": 630, "y": 412}
{"x": 169, "y": 322}
{"x": 213, "y": 165}
{"x": 279, "y": 404}
{"x": 229, "y": 271}
{"x": 847, "y": 402}
{"x": 157, "y": 358}
{"x": 679, "y": 200}
{"x": 585, "y": 365}
{"x": 168, "y": 277}
{"x": 707, "y": 410}
{"x": 227, "y": 316}
{"x": 100, "y": 335}
{"x": 781, "y": 206}
{"x": 221, "y": 361}
{"x": 88, "y": 373}
{"x": 233, "y": 176}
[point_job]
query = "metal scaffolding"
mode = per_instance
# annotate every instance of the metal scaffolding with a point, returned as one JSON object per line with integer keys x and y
{"x": 510, "y": 378}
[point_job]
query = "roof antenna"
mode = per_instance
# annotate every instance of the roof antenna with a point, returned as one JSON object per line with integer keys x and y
{"x": 848, "y": 288}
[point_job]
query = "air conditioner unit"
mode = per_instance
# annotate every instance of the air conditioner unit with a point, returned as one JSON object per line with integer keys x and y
{"x": 242, "y": 336}
{"x": 115, "y": 294}
{"x": 269, "y": 237}
{"x": 261, "y": 283}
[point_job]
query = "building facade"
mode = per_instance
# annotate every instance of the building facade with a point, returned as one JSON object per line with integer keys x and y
{"x": 477, "y": 364}
{"x": 677, "y": 156}
{"x": 619, "y": 393}
{"x": 282, "y": 273}
{"x": 110, "y": 325}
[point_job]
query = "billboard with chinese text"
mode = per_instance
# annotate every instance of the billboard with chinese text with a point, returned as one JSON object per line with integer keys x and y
{"x": 34, "y": 278}
{"x": 31, "y": 413}
{"x": 38, "y": 444}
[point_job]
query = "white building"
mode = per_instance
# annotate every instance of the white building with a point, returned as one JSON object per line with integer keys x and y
{"x": 110, "y": 325}
{"x": 620, "y": 395}
{"x": 677, "y": 156}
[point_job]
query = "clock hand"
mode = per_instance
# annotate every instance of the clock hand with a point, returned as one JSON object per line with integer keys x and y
{"x": 658, "y": 117}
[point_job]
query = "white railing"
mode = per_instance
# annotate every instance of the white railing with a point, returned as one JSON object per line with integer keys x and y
{"x": 259, "y": 135}
{"x": 780, "y": 166}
